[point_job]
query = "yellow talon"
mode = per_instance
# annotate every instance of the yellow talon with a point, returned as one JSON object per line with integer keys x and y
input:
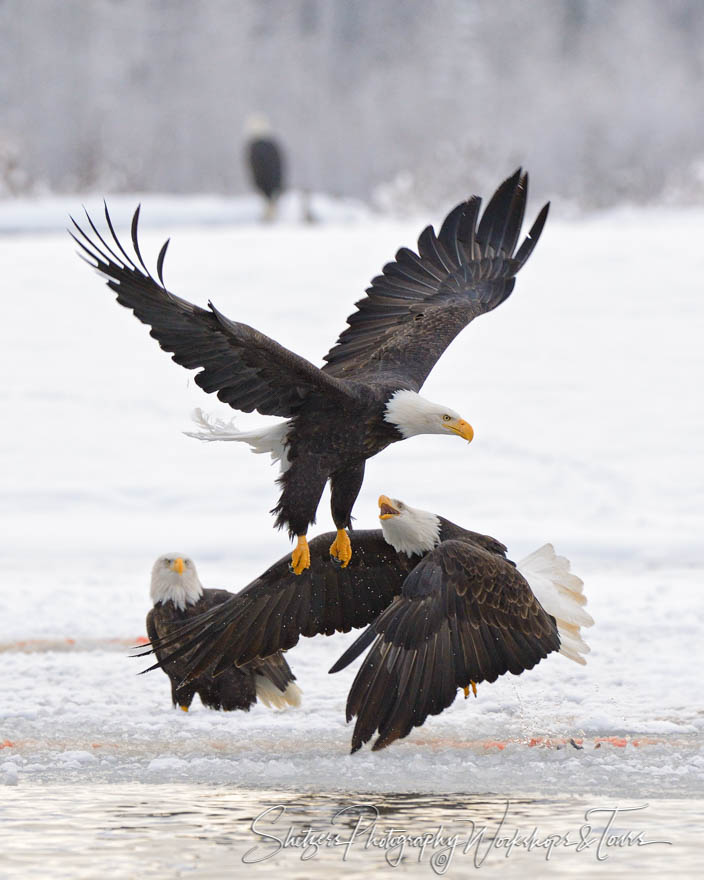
{"x": 183, "y": 708}
{"x": 300, "y": 558}
{"x": 341, "y": 548}
{"x": 473, "y": 686}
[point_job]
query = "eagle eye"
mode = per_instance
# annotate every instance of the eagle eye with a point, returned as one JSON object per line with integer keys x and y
{"x": 446, "y": 418}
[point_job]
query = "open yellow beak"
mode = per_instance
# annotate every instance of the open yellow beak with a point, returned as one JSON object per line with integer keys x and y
{"x": 386, "y": 508}
{"x": 462, "y": 429}
{"x": 177, "y": 565}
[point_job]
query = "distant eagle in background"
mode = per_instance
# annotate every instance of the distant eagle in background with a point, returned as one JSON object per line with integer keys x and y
{"x": 265, "y": 162}
{"x": 179, "y": 597}
{"x": 444, "y": 607}
{"x": 366, "y": 395}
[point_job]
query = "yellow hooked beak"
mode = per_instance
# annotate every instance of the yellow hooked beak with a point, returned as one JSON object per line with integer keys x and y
{"x": 386, "y": 508}
{"x": 177, "y": 565}
{"x": 461, "y": 428}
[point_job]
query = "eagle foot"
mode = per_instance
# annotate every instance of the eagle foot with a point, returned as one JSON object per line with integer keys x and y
{"x": 183, "y": 708}
{"x": 300, "y": 558}
{"x": 341, "y": 549}
{"x": 473, "y": 686}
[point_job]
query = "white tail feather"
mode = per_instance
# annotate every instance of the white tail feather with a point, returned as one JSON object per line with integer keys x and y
{"x": 272, "y": 697}
{"x": 271, "y": 440}
{"x": 561, "y": 594}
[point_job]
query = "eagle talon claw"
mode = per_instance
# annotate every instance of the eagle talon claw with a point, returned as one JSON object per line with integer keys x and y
{"x": 473, "y": 686}
{"x": 341, "y": 549}
{"x": 300, "y": 558}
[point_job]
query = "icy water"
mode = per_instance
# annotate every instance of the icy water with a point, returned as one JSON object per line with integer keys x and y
{"x": 124, "y": 831}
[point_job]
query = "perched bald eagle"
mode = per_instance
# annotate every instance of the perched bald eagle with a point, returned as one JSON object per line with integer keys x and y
{"x": 445, "y": 609}
{"x": 366, "y": 395}
{"x": 179, "y": 597}
{"x": 265, "y": 162}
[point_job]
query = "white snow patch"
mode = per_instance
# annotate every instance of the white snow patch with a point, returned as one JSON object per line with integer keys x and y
{"x": 9, "y": 773}
{"x": 167, "y": 764}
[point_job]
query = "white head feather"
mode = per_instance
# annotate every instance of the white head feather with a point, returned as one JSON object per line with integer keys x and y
{"x": 168, "y": 584}
{"x": 413, "y": 414}
{"x": 409, "y": 530}
{"x": 257, "y": 125}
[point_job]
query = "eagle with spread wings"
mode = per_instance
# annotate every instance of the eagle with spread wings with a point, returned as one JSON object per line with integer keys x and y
{"x": 366, "y": 395}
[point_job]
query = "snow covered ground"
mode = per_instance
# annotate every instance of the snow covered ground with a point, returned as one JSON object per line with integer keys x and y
{"x": 584, "y": 391}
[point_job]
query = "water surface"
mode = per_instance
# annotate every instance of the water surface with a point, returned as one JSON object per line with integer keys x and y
{"x": 209, "y": 831}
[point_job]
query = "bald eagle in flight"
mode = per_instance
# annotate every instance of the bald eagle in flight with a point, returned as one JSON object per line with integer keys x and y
{"x": 179, "y": 597}
{"x": 445, "y": 609}
{"x": 366, "y": 396}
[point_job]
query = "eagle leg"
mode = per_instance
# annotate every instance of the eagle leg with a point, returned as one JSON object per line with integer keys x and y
{"x": 341, "y": 548}
{"x": 473, "y": 686}
{"x": 300, "y": 558}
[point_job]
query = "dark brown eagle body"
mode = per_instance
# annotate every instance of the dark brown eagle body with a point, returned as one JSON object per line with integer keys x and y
{"x": 353, "y": 434}
{"x": 236, "y": 688}
{"x": 266, "y": 166}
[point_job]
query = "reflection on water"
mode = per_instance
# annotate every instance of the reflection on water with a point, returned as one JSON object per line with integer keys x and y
{"x": 88, "y": 831}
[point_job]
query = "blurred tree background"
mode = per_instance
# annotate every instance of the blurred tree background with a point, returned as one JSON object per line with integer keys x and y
{"x": 410, "y": 103}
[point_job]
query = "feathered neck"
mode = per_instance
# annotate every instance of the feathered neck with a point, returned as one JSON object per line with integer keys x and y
{"x": 412, "y": 414}
{"x": 169, "y": 586}
{"x": 412, "y": 531}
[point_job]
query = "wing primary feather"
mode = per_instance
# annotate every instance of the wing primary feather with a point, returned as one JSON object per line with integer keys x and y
{"x": 449, "y": 230}
{"x": 124, "y": 253}
{"x": 514, "y": 217}
{"x": 467, "y": 232}
{"x": 135, "y": 241}
{"x": 492, "y": 223}
{"x": 107, "y": 247}
{"x": 160, "y": 262}
{"x": 86, "y": 248}
{"x": 530, "y": 241}
{"x": 354, "y": 650}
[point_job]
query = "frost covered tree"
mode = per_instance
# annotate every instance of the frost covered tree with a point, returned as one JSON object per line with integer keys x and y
{"x": 601, "y": 99}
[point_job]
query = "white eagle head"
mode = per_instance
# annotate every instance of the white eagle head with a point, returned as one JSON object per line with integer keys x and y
{"x": 413, "y": 414}
{"x": 406, "y": 528}
{"x": 175, "y": 579}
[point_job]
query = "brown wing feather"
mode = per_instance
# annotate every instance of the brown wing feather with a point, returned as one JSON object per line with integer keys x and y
{"x": 465, "y": 614}
{"x": 246, "y": 369}
{"x": 414, "y": 310}
{"x": 277, "y": 608}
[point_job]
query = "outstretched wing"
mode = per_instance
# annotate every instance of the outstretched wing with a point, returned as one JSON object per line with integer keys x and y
{"x": 244, "y": 367}
{"x": 421, "y": 302}
{"x": 464, "y": 615}
{"x": 277, "y": 608}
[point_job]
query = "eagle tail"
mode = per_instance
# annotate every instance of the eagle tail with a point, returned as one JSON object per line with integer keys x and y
{"x": 561, "y": 594}
{"x": 274, "y": 681}
{"x": 271, "y": 440}
{"x": 269, "y": 694}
